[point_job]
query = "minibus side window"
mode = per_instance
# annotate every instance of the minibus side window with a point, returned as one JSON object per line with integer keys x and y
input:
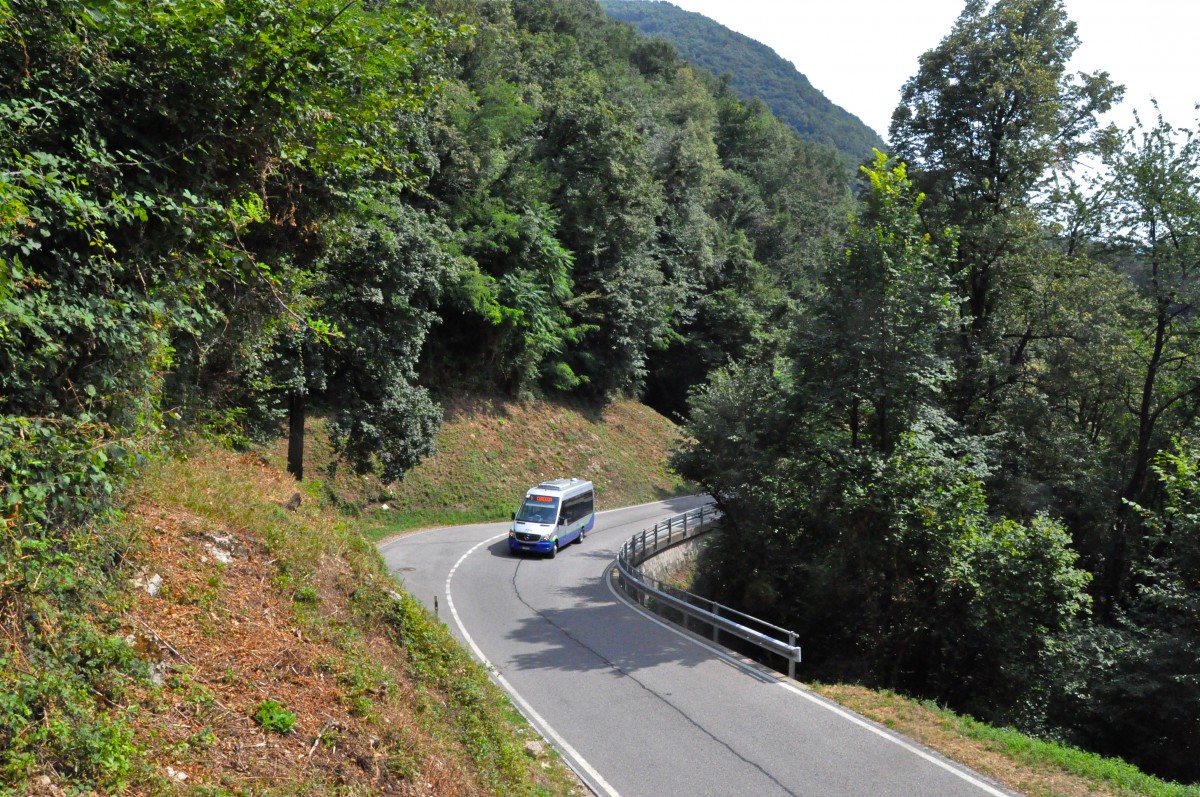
{"x": 578, "y": 507}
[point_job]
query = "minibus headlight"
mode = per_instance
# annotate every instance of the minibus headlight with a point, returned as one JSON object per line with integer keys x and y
{"x": 546, "y": 537}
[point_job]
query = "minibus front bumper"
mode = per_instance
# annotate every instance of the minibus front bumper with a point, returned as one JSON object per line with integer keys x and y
{"x": 529, "y": 543}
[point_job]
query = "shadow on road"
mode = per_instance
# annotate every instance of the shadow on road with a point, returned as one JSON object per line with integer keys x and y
{"x": 592, "y": 631}
{"x": 501, "y": 550}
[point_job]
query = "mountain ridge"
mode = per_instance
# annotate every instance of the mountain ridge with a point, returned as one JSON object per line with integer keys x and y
{"x": 753, "y": 70}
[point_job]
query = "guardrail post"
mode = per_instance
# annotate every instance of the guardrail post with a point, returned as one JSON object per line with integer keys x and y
{"x": 791, "y": 659}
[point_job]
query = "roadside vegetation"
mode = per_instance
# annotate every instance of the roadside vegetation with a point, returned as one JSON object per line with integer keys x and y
{"x": 1016, "y": 760}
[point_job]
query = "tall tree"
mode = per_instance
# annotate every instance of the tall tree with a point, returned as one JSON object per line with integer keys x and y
{"x": 875, "y": 336}
{"x": 378, "y": 280}
{"x": 991, "y": 111}
{"x": 607, "y": 198}
{"x": 1155, "y": 178}
{"x": 1147, "y": 702}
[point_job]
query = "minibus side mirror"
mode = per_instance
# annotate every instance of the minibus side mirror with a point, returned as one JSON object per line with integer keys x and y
{"x": 512, "y": 516}
{"x": 562, "y": 521}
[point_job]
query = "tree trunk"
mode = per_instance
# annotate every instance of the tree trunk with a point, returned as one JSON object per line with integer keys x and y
{"x": 1114, "y": 582}
{"x": 295, "y": 458}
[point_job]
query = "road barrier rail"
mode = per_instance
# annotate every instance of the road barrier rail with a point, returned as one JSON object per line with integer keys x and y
{"x": 685, "y": 608}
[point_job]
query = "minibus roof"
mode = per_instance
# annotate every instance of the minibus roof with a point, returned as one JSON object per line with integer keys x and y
{"x": 560, "y": 486}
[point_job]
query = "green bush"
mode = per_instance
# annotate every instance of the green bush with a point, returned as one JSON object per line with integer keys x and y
{"x": 272, "y": 716}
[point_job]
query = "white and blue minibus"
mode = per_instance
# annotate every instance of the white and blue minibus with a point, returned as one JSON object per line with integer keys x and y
{"x": 553, "y": 514}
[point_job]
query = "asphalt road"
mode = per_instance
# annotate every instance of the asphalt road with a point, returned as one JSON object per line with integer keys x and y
{"x": 638, "y": 708}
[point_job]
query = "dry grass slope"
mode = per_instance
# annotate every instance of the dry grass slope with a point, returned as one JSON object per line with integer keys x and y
{"x": 289, "y": 615}
{"x": 490, "y": 450}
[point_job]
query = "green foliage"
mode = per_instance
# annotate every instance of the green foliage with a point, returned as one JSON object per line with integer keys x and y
{"x": 877, "y": 333}
{"x": 56, "y": 470}
{"x": 382, "y": 276}
{"x": 1139, "y": 686}
{"x": 994, "y": 99}
{"x": 952, "y": 445}
{"x": 1156, "y": 217}
{"x": 61, "y": 666}
{"x": 174, "y": 236}
{"x": 592, "y": 200}
{"x": 1150, "y": 209}
{"x": 607, "y": 199}
{"x": 273, "y": 717}
{"x": 990, "y": 115}
{"x": 933, "y": 595}
{"x": 849, "y": 492}
{"x": 1172, "y": 567}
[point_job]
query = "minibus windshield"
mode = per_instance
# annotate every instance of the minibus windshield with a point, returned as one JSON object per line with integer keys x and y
{"x": 538, "y": 509}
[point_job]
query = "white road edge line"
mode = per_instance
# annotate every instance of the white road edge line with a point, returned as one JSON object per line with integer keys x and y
{"x": 824, "y": 703}
{"x": 570, "y": 752}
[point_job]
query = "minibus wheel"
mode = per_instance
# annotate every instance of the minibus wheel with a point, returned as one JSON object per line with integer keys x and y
{"x": 553, "y": 549}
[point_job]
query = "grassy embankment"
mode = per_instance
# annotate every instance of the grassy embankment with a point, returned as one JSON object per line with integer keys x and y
{"x": 1019, "y": 762}
{"x": 491, "y": 451}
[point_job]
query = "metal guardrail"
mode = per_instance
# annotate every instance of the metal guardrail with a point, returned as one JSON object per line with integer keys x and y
{"x": 720, "y": 618}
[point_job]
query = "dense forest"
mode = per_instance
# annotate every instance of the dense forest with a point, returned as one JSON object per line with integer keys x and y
{"x": 969, "y": 467}
{"x": 950, "y": 414}
{"x": 753, "y": 70}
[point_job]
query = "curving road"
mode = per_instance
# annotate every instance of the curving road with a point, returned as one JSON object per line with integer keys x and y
{"x": 636, "y": 707}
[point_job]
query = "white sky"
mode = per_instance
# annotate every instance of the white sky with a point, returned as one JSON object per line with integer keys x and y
{"x": 860, "y": 52}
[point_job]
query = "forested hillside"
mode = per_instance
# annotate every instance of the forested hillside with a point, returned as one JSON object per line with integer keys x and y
{"x": 951, "y": 421}
{"x": 754, "y": 71}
